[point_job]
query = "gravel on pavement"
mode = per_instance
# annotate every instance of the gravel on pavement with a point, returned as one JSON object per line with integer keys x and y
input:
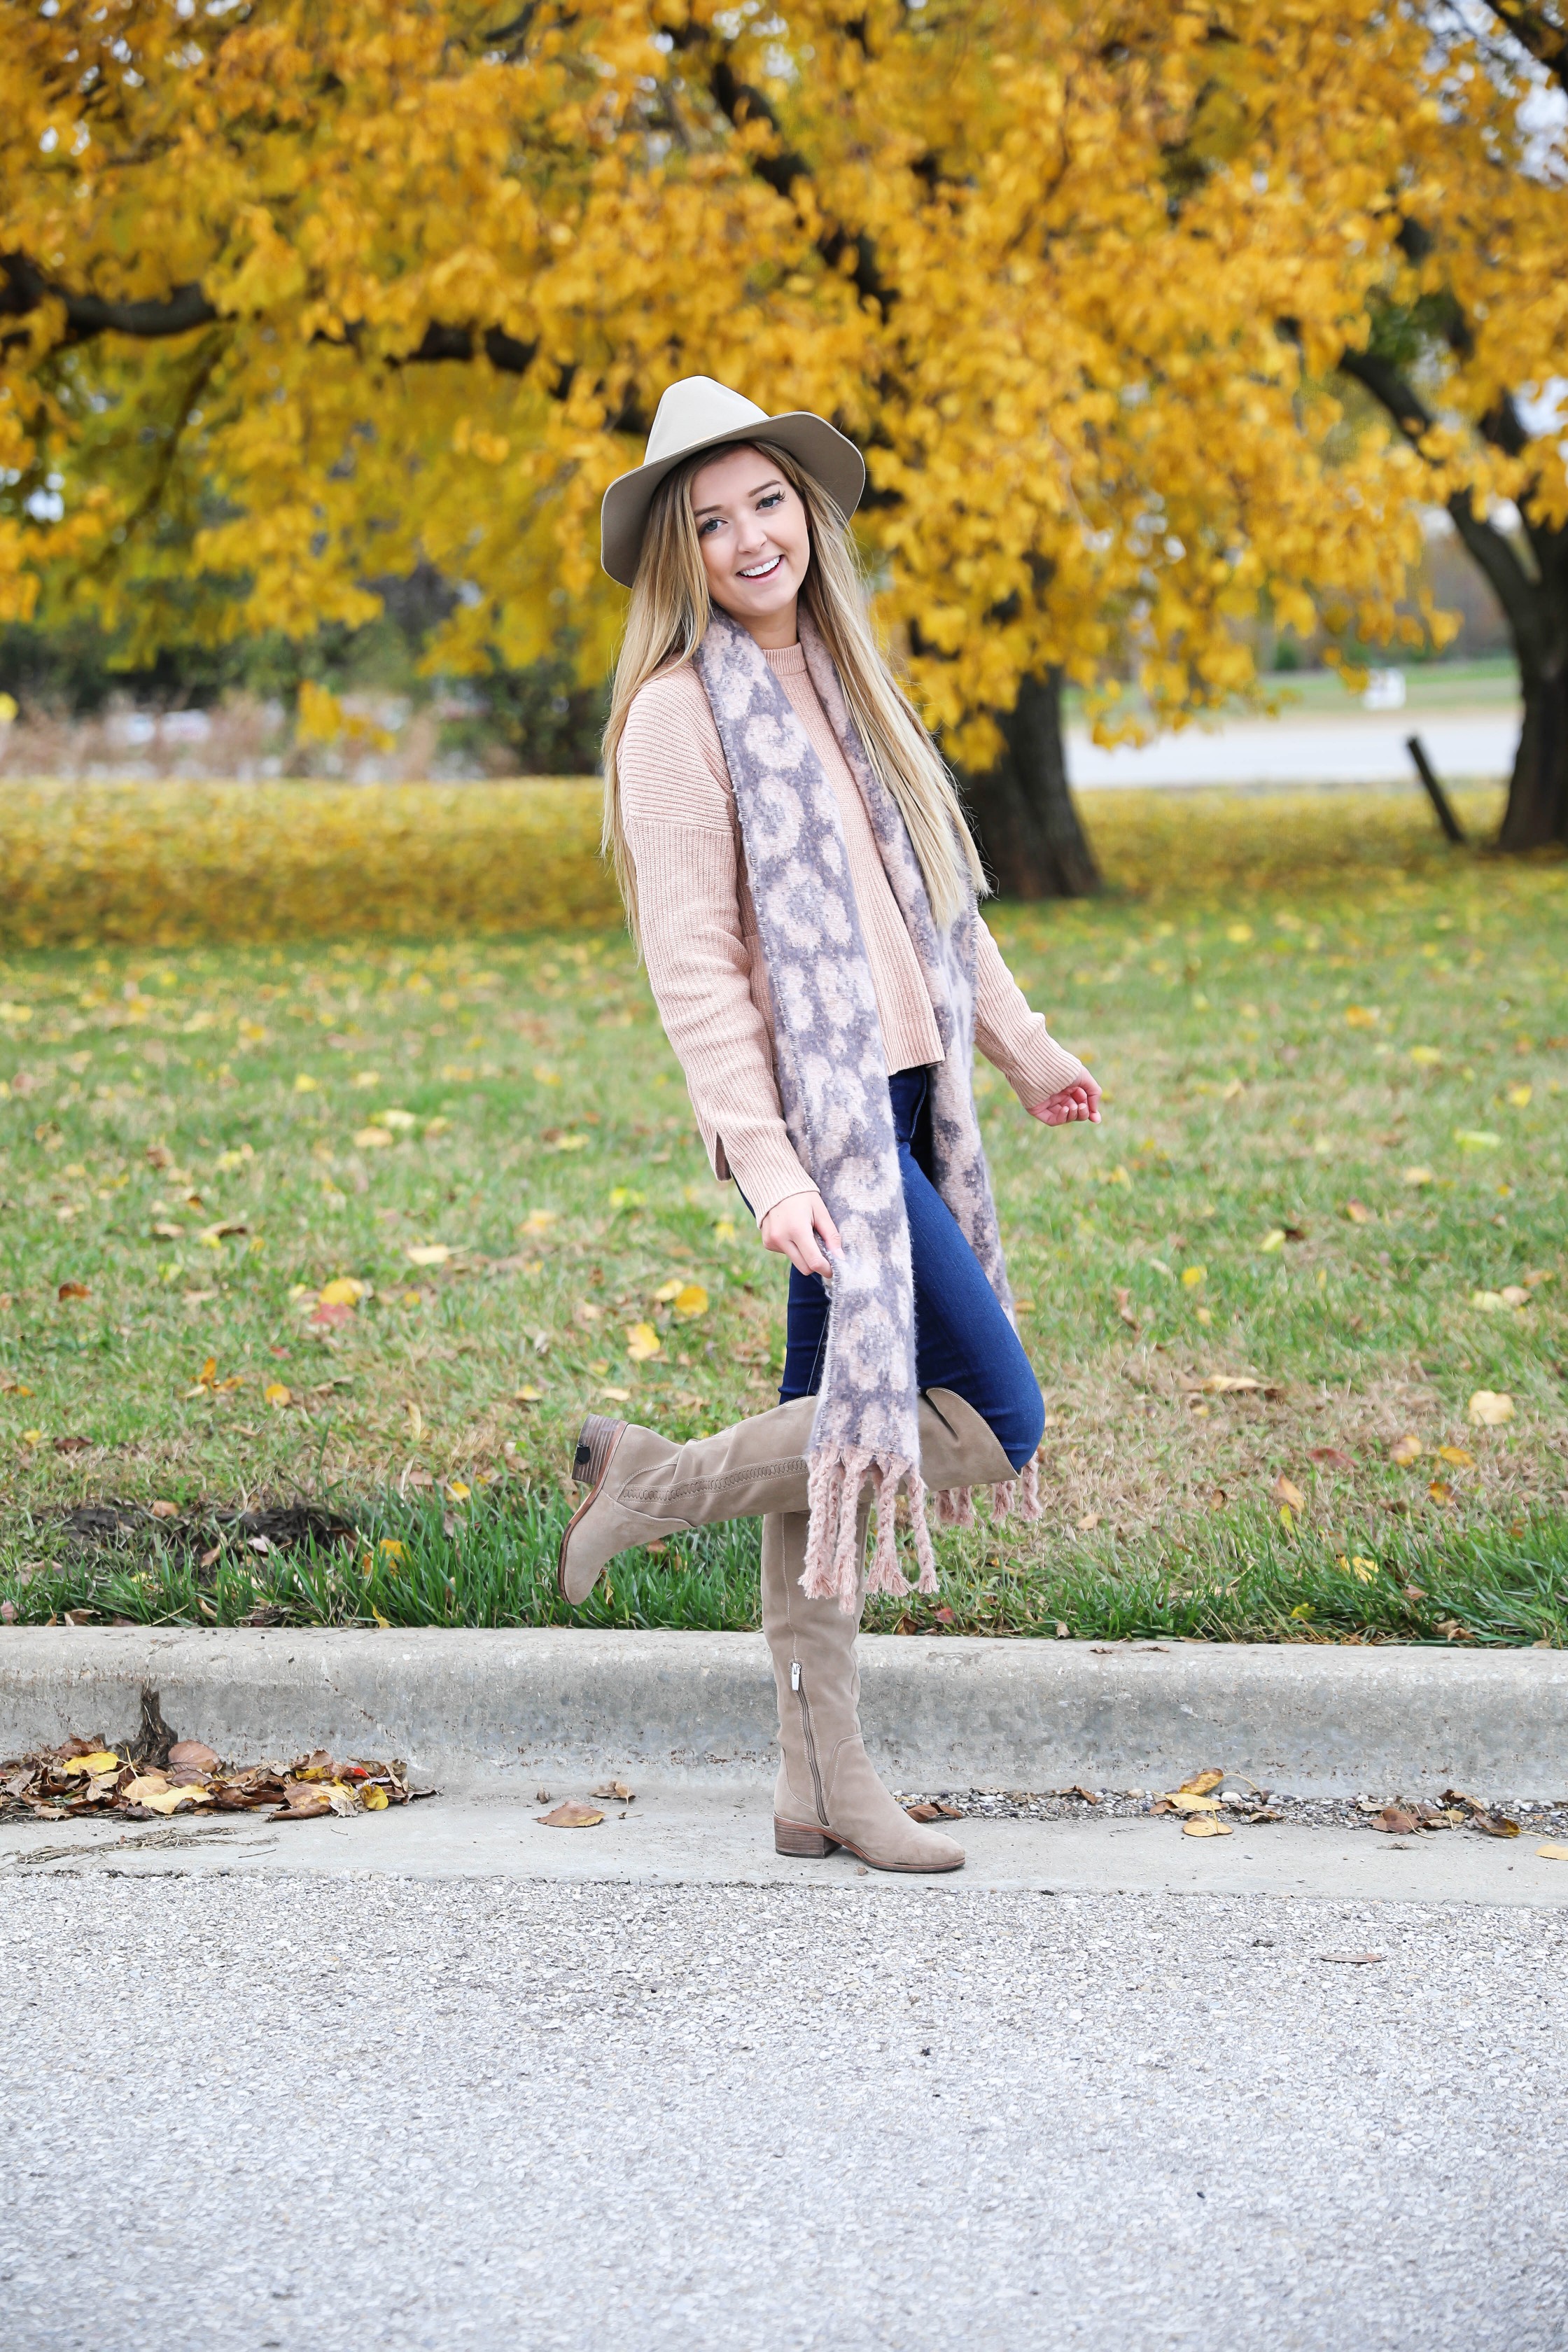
{"x": 369, "y": 2113}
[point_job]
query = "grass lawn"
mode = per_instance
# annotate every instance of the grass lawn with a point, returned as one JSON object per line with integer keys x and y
{"x": 1332, "y": 1165}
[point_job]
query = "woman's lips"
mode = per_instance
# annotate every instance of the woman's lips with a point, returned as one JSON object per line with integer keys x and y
{"x": 763, "y": 571}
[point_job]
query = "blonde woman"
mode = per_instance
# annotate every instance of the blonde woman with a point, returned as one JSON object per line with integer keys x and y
{"x": 798, "y": 873}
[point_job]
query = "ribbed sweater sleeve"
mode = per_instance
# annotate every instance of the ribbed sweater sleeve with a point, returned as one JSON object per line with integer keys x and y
{"x": 678, "y": 812}
{"x": 1016, "y": 1039}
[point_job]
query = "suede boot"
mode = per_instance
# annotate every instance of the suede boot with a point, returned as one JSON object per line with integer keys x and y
{"x": 826, "y": 1793}
{"x": 957, "y": 1447}
{"x": 642, "y": 1487}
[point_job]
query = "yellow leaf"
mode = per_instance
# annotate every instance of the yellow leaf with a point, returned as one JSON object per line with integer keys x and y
{"x": 1519, "y": 1096}
{"x": 1200, "y": 1783}
{"x": 1426, "y": 1055}
{"x": 345, "y": 1292}
{"x": 384, "y": 1624}
{"x": 690, "y": 1301}
{"x": 666, "y": 1291}
{"x": 620, "y": 1395}
{"x": 1358, "y": 1212}
{"x": 1239, "y": 933}
{"x": 642, "y": 1342}
{"x": 1273, "y": 1240}
{"x": 170, "y": 1799}
{"x": 572, "y": 1816}
{"x": 390, "y": 1547}
{"x": 102, "y": 1760}
{"x": 1552, "y": 1853}
{"x": 1417, "y": 1176}
{"x": 278, "y": 1392}
{"x": 1458, "y": 1455}
{"x": 1285, "y": 1490}
{"x": 1405, "y": 1449}
{"x": 402, "y": 1120}
{"x": 365, "y": 1079}
{"x": 429, "y": 1253}
{"x": 1487, "y": 1300}
{"x": 1205, "y": 1825}
{"x": 1476, "y": 1139}
{"x": 539, "y": 1220}
{"x": 1192, "y": 1276}
{"x": 145, "y": 1786}
{"x": 374, "y": 1800}
{"x": 1492, "y": 1408}
{"x": 31, "y": 1436}
{"x": 306, "y": 1085}
{"x": 1362, "y": 1016}
{"x": 372, "y": 1139}
{"x": 724, "y": 1231}
{"x": 458, "y": 1491}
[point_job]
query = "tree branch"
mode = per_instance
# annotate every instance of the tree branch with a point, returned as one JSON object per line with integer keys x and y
{"x": 1515, "y": 591}
{"x": 1534, "y": 30}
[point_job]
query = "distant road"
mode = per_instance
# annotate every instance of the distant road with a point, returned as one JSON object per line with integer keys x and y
{"x": 1360, "y": 749}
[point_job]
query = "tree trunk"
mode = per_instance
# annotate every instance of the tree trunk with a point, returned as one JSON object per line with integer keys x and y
{"x": 1537, "y": 811}
{"x": 1023, "y": 811}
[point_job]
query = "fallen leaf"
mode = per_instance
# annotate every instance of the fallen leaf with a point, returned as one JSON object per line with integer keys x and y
{"x": 1439, "y": 1492}
{"x": 171, "y": 1800}
{"x": 1358, "y": 1212}
{"x": 1395, "y": 1821}
{"x": 372, "y": 1139}
{"x": 1490, "y": 1301}
{"x": 1124, "y": 1308}
{"x": 428, "y": 1254}
{"x": 642, "y": 1342}
{"x": 1352, "y": 1959}
{"x": 1200, "y": 1783}
{"x": 1362, "y": 1016}
{"x": 1273, "y": 1239}
{"x": 1406, "y": 1450}
{"x": 1205, "y": 1825}
{"x": 690, "y": 1301}
{"x": 164, "y": 1510}
{"x": 572, "y": 1816}
{"x": 924, "y": 1812}
{"x": 618, "y": 1396}
{"x": 278, "y": 1392}
{"x": 1495, "y": 1825}
{"x": 1418, "y": 1176}
{"x": 1519, "y": 1096}
{"x": 1329, "y": 1457}
{"x": 144, "y": 1788}
{"x": 73, "y": 1290}
{"x": 1233, "y": 1384}
{"x": 72, "y": 1444}
{"x": 345, "y": 1292}
{"x": 97, "y": 1759}
{"x": 616, "y": 1789}
{"x": 1552, "y": 1853}
{"x": 527, "y": 1395}
{"x": 1179, "y": 1801}
{"x": 1540, "y": 1274}
{"x": 1365, "y": 1571}
{"x": 459, "y": 1490}
{"x": 1089, "y": 1519}
{"x": 1490, "y": 1407}
{"x": 1476, "y": 1139}
{"x": 1192, "y": 1276}
{"x": 1458, "y": 1455}
{"x": 193, "y": 1753}
{"x": 375, "y": 1801}
{"x": 333, "y": 1317}
{"x": 1285, "y": 1490}
{"x": 1426, "y": 1054}
{"x": 167, "y": 1233}
{"x": 1514, "y": 1294}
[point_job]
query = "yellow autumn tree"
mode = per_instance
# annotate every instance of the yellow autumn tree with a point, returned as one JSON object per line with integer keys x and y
{"x": 296, "y": 297}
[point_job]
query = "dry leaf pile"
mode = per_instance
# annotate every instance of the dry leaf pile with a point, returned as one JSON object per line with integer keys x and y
{"x": 87, "y": 1777}
{"x": 154, "y": 1774}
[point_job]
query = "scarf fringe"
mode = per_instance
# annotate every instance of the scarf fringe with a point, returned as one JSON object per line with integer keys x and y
{"x": 1016, "y": 1498}
{"x": 832, "y": 1571}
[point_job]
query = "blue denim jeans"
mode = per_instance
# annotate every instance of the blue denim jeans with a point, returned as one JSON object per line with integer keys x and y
{"x": 963, "y": 1341}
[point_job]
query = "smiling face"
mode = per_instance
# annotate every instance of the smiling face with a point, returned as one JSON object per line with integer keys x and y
{"x": 752, "y": 531}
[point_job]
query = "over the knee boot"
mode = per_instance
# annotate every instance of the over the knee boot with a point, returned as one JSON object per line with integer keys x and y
{"x": 826, "y": 1793}
{"x": 642, "y": 1487}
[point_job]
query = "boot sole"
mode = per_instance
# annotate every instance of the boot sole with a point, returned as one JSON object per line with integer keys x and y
{"x": 815, "y": 1845}
{"x": 597, "y": 1439}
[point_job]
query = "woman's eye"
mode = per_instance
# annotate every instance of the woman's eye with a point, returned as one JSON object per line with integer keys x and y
{"x": 773, "y": 499}
{"x": 704, "y": 528}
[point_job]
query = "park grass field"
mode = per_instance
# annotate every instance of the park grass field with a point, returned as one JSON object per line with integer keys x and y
{"x": 1336, "y": 1062}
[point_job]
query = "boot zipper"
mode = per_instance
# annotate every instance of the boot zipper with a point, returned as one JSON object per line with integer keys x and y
{"x": 796, "y": 1685}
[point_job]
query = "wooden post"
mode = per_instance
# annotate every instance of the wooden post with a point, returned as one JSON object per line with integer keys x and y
{"x": 1435, "y": 793}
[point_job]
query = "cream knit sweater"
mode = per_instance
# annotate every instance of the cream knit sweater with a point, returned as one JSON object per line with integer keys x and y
{"x": 704, "y": 957}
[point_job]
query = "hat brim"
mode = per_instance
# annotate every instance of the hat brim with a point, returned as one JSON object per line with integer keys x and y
{"x": 820, "y": 448}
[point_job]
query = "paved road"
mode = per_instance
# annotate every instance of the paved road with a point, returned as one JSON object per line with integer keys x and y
{"x": 301, "y": 2113}
{"x": 1361, "y": 748}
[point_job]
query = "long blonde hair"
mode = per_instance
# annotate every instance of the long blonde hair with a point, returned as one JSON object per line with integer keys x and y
{"x": 668, "y": 614}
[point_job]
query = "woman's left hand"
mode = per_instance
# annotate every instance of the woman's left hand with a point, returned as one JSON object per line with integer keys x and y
{"x": 1078, "y": 1100}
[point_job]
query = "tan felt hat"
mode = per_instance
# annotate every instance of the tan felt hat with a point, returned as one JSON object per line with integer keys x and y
{"x": 698, "y": 413}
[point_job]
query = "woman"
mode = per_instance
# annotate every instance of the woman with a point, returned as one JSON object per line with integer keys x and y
{"x": 799, "y": 875}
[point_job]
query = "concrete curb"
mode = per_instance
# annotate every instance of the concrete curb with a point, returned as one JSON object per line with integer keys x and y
{"x": 944, "y": 1712}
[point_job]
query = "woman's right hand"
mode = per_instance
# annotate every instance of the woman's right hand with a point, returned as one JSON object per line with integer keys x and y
{"x": 794, "y": 1225}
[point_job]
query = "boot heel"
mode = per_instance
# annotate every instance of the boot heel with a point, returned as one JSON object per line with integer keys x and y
{"x": 789, "y": 1837}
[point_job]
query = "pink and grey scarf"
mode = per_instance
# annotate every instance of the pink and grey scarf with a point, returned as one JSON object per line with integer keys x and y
{"x": 833, "y": 1086}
